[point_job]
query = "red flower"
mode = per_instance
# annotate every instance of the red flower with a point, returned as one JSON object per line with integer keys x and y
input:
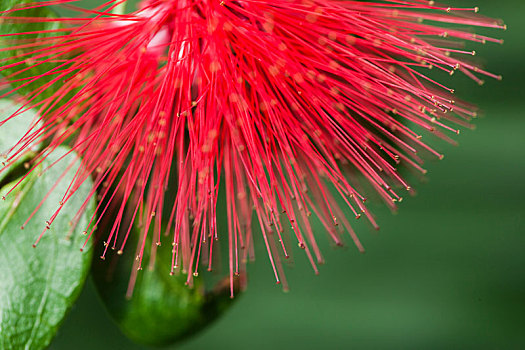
{"x": 281, "y": 104}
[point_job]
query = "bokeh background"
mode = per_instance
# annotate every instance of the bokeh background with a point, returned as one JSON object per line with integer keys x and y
{"x": 448, "y": 271}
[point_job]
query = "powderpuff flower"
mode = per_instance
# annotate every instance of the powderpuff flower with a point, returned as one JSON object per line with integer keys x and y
{"x": 282, "y": 106}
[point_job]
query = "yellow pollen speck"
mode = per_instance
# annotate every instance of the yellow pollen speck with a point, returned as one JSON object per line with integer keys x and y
{"x": 212, "y": 133}
{"x": 298, "y": 77}
{"x": 234, "y": 98}
{"x": 340, "y": 106}
{"x": 350, "y": 39}
{"x": 269, "y": 25}
{"x": 334, "y": 65}
{"x": 227, "y": 26}
{"x": 273, "y": 70}
{"x": 311, "y": 74}
{"x": 215, "y": 66}
{"x": 312, "y": 17}
{"x": 212, "y": 25}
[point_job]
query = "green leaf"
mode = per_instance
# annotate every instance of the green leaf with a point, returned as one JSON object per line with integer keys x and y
{"x": 9, "y": 52}
{"x": 39, "y": 285}
{"x": 13, "y": 129}
{"x": 163, "y": 309}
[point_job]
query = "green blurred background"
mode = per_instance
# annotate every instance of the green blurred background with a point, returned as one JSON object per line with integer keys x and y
{"x": 448, "y": 271}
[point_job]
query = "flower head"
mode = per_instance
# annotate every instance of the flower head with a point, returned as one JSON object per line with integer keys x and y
{"x": 280, "y": 105}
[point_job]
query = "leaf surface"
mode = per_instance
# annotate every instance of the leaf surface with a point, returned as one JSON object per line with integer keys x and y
{"x": 162, "y": 309}
{"x": 39, "y": 285}
{"x": 17, "y": 63}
